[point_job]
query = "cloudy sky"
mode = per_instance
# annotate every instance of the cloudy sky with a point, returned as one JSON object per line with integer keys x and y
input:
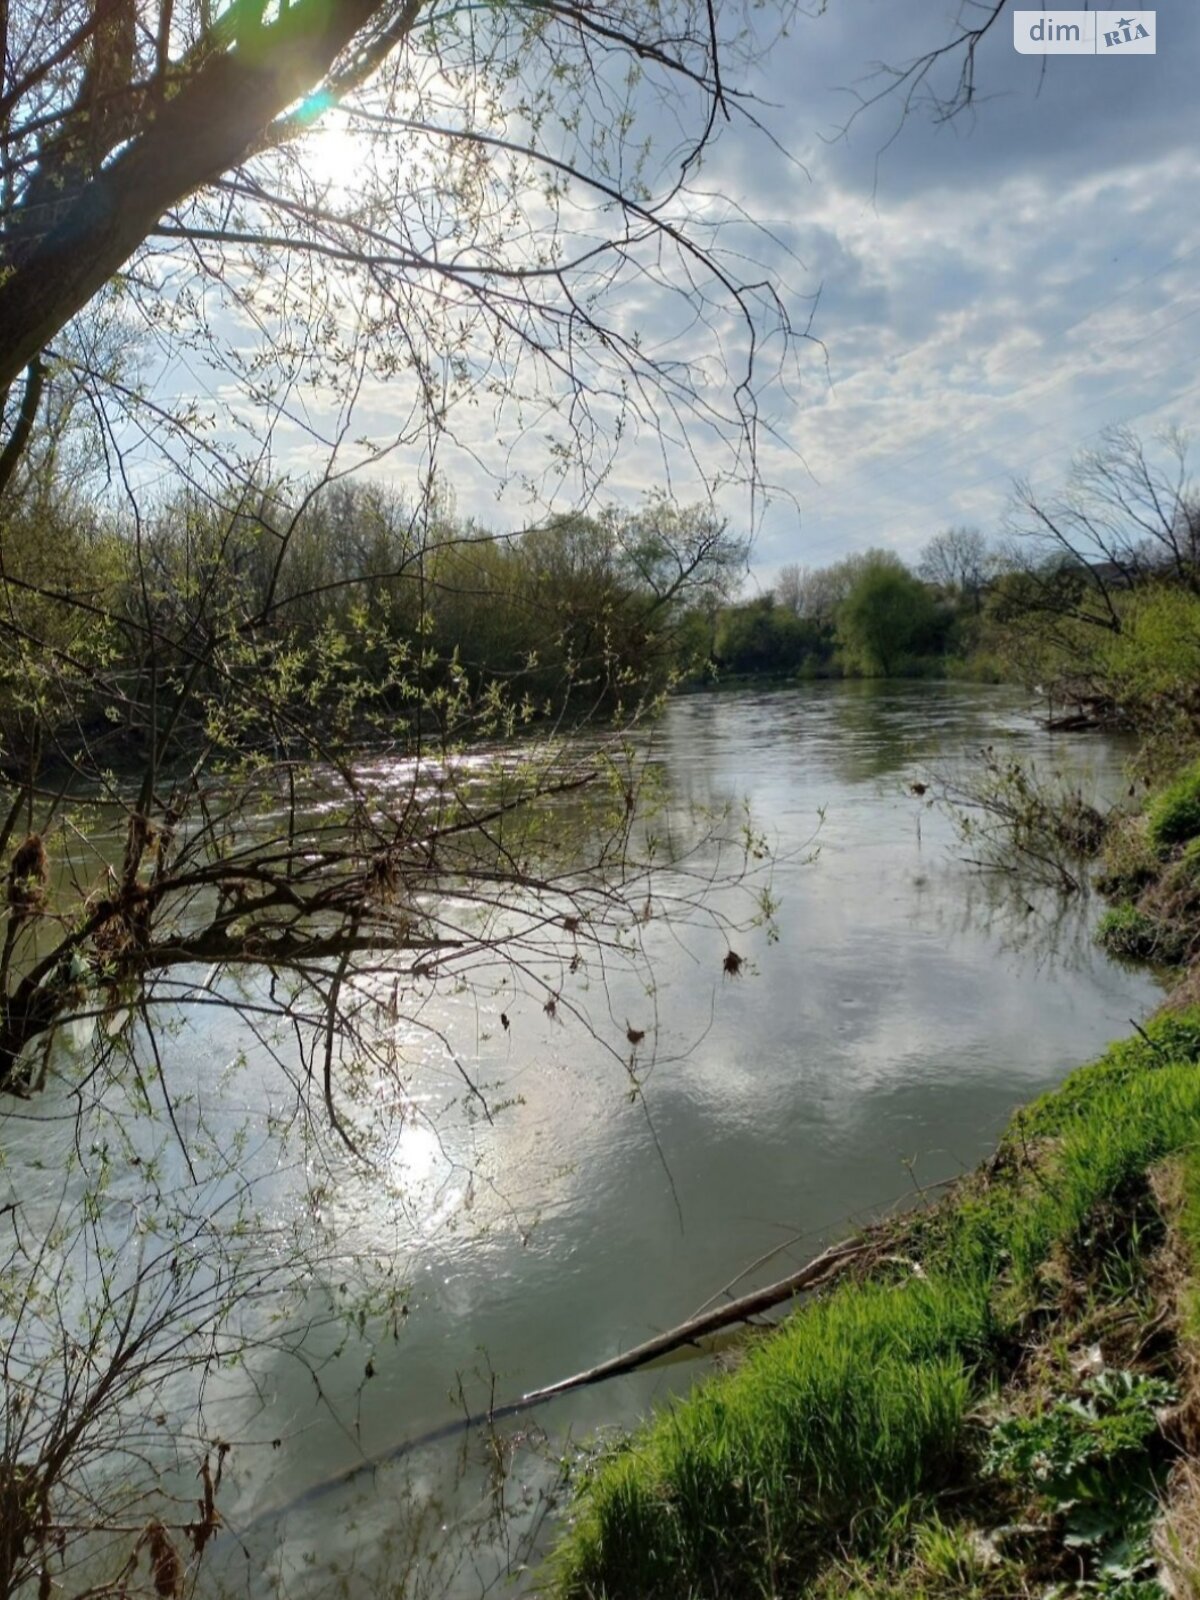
{"x": 988, "y": 294}
{"x": 993, "y": 292}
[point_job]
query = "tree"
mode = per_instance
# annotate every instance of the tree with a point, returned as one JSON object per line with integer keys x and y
{"x": 815, "y": 593}
{"x": 760, "y": 636}
{"x": 203, "y": 669}
{"x": 1125, "y": 516}
{"x": 943, "y": 78}
{"x": 136, "y": 143}
{"x": 1151, "y": 672}
{"x": 887, "y": 616}
{"x": 958, "y": 561}
{"x": 789, "y": 586}
{"x": 1076, "y": 560}
{"x": 680, "y": 555}
{"x": 166, "y": 159}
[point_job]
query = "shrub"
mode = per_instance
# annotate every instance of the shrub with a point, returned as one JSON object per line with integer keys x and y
{"x": 1153, "y": 666}
{"x": 1127, "y": 932}
{"x": 1130, "y": 862}
{"x": 1173, "y": 816}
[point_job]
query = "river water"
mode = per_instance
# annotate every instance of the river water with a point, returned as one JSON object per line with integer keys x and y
{"x": 877, "y": 1045}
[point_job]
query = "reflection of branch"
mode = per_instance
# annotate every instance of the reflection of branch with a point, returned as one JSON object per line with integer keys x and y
{"x": 335, "y": 990}
{"x": 1022, "y": 825}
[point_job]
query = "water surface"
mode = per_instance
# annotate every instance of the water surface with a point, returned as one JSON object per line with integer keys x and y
{"x": 876, "y": 1046}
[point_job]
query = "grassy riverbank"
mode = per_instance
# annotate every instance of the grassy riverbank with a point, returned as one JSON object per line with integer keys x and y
{"x": 999, "y": 1403}
{"x": 1152, "y": 875}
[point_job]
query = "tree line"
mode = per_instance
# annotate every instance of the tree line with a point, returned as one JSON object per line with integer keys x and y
{"x": 351, "y": 597}
{"x": 383, "y": 614}
{"x": 1088, "y": 592}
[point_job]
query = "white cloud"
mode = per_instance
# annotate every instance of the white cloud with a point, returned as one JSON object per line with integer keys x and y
{"x": 992, "y": 293}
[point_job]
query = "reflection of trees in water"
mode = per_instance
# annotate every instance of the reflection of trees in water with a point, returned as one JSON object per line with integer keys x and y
{"x": 1048, "y": 931}
{"x": 1038, "y": 826}
{"x": 852, "y": 731}
{"x": 1030, "y": 837}
{"x": 879, "y": 729}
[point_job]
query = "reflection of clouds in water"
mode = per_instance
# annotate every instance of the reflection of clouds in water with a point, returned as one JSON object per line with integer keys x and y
{"x": 897, "y": 963}
{"x": 903, "y": 1011}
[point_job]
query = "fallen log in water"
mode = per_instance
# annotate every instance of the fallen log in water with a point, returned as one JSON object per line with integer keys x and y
{"x": 815, "y": 1272}
{"x": 812, "y": 1275}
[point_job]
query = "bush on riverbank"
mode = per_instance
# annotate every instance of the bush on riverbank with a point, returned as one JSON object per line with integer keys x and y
{"x": 1173, "y": 817}
{"x": 1027, "y": 824}
{"x": 1126, "y": 932}
{"x": 815, "y": 1467}
{"x": 1151, "y": 866}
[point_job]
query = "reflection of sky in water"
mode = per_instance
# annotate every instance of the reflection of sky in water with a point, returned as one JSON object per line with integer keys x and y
{"x": 906, "y": 1008}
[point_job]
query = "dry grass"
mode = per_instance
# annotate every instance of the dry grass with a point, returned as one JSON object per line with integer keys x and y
{"x": 1185, "y": 995}
{"x": 1178, "y": 1538}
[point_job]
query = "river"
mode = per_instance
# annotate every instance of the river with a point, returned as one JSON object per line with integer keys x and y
{"x": 876, "y": 1046}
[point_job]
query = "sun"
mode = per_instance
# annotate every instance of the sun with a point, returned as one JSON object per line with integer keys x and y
{"x": 331, "y": 151}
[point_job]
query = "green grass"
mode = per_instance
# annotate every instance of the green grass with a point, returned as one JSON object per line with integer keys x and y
{"x": 939, "y": 1561}
{"x": 1173, "y": 816}
{"x": 1152, "y": 871}
{"x": 860, "y": 1405}
{"x": 1171, "y": 1039}
{"x": 836, "y": 1430}
{"x": 1126, "y": 931}
{"x": 1186, "y": 1224}
{"x": 1188, "y": 1221}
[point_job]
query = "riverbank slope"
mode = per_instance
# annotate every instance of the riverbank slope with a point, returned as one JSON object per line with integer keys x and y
{"x": 1000, "y": 1399}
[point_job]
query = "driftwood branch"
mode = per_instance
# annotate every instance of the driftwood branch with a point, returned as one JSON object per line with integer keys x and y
{"x": 820, "y": 1270}
{"x": 815, "y": 1272}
